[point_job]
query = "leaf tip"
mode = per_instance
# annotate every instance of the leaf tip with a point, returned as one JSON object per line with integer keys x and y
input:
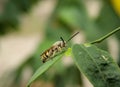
{"x": 68, "y": 52}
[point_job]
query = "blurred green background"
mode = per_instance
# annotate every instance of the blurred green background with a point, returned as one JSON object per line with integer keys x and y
{"x": 28, "y": 27}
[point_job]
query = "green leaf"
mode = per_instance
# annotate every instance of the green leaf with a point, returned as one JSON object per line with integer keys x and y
{"x": 97, "y": 65}
{"x": 43, "y": 68}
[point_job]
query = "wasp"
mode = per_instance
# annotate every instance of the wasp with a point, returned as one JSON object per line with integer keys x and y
{"x": 56, "y": 48}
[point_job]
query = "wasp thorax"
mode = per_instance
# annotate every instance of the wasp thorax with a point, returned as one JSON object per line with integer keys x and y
{"x": 60, "y": 44}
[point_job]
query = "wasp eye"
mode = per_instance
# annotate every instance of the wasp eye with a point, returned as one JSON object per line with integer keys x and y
{"x": 43, "y": 61}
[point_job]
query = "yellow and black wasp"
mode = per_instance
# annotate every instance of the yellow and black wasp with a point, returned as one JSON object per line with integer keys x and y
{"x": 55, "y": 48}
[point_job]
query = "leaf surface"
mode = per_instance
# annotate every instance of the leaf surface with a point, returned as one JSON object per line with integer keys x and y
{"x": 97, "y": 65}
{"x": 43, "y": 68}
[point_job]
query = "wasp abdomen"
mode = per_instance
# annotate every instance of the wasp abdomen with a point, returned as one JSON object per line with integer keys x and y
{"x": 57, "y": 47}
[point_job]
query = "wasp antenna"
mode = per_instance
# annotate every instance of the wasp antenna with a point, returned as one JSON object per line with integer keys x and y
{"x": 72, "y": 36}
{"x": 62, "y": 39}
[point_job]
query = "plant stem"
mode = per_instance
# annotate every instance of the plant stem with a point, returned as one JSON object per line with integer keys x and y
{"x": 106, "y": 36}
